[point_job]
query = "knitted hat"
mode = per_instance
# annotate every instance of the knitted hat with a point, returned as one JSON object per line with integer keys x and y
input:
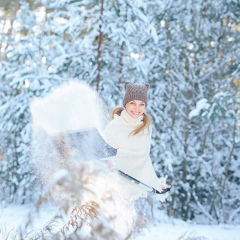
{"x": 135, "y": 92}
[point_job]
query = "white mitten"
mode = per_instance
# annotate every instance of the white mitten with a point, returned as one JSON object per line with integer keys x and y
{"x": 163, "y": 180}
{"x": 162, "y": 197}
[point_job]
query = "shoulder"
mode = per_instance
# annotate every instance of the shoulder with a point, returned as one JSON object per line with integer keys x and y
{"x": 116, "y": 118}
{"x": 148, "y": 130}
{"x": 149, "y": 124}
{"x": 113, "y": 122}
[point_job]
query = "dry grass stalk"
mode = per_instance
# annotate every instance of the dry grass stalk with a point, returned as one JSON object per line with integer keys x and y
{"x": 43, "y": 234}
{"x": 79, "y": 216}
{"x": 191, "y": 237}
{"x": 6, "y": 235}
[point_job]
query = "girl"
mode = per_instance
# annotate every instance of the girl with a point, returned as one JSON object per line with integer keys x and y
{"x": 129, "y": 132}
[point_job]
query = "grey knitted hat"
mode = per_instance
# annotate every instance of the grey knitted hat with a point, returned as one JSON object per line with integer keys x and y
{"x": 136, "y": 92}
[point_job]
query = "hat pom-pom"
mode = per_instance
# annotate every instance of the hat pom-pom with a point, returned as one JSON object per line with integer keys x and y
{"x": 126, "y": 84}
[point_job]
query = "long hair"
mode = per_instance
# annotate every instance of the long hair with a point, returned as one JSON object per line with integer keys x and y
{"x": 146, "y": 120}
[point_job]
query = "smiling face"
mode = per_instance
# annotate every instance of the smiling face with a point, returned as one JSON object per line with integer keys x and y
{"x": 135, "y": 108}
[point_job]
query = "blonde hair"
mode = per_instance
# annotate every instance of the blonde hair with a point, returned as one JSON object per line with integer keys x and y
{"x": 146, "y": 120}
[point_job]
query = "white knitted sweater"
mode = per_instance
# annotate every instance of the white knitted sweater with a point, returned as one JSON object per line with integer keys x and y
{"x": 132, "y": 150}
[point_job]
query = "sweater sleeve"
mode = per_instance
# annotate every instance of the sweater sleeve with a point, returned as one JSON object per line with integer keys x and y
{"x": 151, "y": 176}
{"x": 152, "y": 180}
{"x": 110, "y": 134}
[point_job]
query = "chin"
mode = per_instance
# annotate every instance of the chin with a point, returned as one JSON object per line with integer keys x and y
{"x": 136, "y": 116}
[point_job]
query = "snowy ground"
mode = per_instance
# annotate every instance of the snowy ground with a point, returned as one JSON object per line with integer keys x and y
{"x": 13, "y": 216}
{"x": 192, "y": 232}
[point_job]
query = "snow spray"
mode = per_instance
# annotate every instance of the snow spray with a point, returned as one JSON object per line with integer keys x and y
{"x": 71, "y": 177}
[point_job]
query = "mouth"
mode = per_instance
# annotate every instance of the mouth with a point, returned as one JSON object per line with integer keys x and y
{"x": 136, "y": 113}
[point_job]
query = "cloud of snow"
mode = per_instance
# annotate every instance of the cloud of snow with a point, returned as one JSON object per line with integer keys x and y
{"x": 66, "y": 176}
{"x": 70, "y": 107}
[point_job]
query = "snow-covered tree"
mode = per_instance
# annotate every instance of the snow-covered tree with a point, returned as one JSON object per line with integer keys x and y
{"x": 187, "y": 50}
{"x": 23, "y": 76}
{"x": 197, "y": 62}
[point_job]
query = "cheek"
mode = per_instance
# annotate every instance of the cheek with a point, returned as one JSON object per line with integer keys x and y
{"x": 130, "y": 107}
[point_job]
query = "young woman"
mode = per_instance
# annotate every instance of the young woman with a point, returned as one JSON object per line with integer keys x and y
{"x": 130, "y": 132}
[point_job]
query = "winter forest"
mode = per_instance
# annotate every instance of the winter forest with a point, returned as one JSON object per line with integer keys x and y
{"x": 187, "y": 50}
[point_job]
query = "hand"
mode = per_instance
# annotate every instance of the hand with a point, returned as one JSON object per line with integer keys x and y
{"x": 164, "y": 186}
{"x": 110, "y": 166}
{"x": 162, "y": 197}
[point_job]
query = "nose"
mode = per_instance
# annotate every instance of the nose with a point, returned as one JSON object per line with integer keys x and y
{"x": 137, "y": 107}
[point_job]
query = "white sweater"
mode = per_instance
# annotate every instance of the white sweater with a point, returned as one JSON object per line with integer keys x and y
{"x": 132, "y": 150}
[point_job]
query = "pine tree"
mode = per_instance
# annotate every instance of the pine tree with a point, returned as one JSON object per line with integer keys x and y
{"x": 196, "y": 64}
{"x": 23, "y": 76}
{"x": 186, "y": 50}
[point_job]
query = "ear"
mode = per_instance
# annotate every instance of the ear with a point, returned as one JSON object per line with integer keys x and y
{"x": 125, "y": 85}
{"x": 147, "y": 85}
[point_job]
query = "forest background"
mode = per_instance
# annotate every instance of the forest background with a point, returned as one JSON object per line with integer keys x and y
{"x": 187, "y": 50}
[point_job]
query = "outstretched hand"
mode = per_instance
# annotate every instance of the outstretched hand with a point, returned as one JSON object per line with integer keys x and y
{"x": 110, "y": 166}
{"x": 163, "y": 186}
